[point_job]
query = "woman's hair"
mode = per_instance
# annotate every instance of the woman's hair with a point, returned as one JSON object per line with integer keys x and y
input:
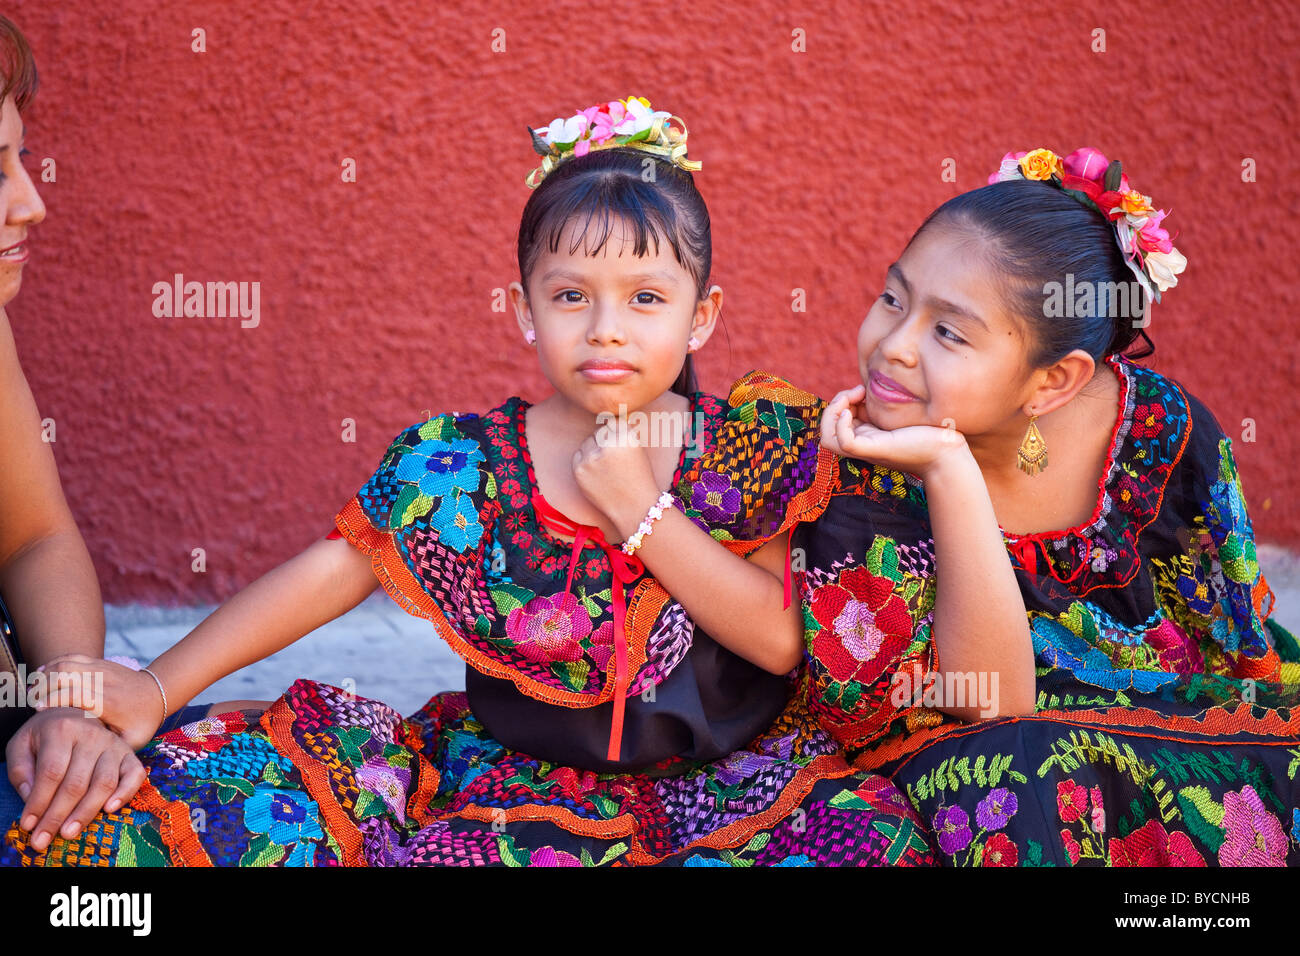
{"x": 1032, "y": 233}
{"x": 17, "y": 68}
{"x": 609, "y": 185}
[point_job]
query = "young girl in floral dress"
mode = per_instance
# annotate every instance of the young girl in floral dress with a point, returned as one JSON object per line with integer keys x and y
{"x": 625, "y": 704}
{"x": 1145, "y": 704}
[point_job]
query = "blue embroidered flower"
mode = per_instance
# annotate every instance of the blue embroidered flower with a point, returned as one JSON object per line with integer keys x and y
{"x": 799, "y": 859}
{"x": 1058, "y": 646}
{"x": 704, "y": 861}
{"x": 439, "y": 467}
{"x": 1295, "y": 824}
{"x": 457, "y": 524}
{"x": 288, "y": 817}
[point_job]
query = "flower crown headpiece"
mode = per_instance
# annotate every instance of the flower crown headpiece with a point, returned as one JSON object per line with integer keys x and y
{"x": 1087, "y": 176}
{"x": 629, "y": 122}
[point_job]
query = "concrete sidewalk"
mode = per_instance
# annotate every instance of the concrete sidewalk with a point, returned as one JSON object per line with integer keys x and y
{"x": 395, "y": 657}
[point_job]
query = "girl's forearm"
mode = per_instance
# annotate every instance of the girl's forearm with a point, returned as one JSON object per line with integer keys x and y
{"x": 312, "y": 588}
{"x": 53, "y": 594}
{"x": 980, "y": 622}
{"x": 736, "y": 601}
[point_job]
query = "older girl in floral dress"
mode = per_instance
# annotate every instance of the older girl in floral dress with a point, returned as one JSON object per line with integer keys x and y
{"x": 1117, "y": 583}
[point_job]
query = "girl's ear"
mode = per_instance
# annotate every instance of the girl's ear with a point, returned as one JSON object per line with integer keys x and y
{"x": 519, "y": 300}
{"x": 706, "y": 315}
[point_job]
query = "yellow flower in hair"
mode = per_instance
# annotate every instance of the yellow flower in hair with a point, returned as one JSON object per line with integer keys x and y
{"x": 1135, "y": 204}
{"x": 1041, "y": 164}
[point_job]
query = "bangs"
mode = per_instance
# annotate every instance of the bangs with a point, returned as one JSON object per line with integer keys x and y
{"x": 600, "y": 203}
{"x": 17, "y": 67}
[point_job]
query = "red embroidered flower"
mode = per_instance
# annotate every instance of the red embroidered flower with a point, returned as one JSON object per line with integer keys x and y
{"x": 1071, "y": 847}
{"x": 593, "y": 568}
{"x": 509, "y": 451}
{"x": 521, "y": 539}
{"x": 510, "y": 486}
{"x": 1071, "y": 800}
{"x": 865, "y": 626}
{"x": 1148, "y": 421}
{"x": 1151, "y": 845}
{"x": 1000, "y": 851}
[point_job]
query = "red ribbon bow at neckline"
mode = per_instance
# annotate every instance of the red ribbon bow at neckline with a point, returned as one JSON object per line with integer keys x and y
{"x": 626, "y": 569}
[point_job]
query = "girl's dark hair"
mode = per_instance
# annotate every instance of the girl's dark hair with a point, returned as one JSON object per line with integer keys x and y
{"x": 17, "y": 67}
{"x": 610, "y": 185}
{"x": 1033, "y": 233}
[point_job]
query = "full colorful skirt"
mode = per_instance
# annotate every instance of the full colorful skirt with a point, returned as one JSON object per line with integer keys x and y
{"x": 324, "y": 778}
{"x": 1185, "y": 774}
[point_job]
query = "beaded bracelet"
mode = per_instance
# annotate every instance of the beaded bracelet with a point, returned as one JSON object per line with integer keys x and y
{"x": 654, "y": 514}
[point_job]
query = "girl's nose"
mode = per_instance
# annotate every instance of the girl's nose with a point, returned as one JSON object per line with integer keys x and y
{"x": 25, "y": 204}
{"x": 606, "y": 325}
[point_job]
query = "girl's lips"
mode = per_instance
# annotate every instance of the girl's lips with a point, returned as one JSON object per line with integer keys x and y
{"x": 597, "y": 373}
{"x": 17, "y": 253}
{"x": 878, "y": 388}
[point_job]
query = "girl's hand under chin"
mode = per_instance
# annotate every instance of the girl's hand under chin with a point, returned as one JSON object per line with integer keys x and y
{"x": 913, "y": 448}
{"x": 615, "y": 474}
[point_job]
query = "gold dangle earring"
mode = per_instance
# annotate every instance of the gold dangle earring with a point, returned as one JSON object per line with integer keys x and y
{"x": 1032, "y": 455}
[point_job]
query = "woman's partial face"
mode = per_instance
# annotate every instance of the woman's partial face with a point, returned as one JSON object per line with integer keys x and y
{"x": 939, "y": 331}
{"x": 18, "y": 198}
{"x": 613, "y": 328}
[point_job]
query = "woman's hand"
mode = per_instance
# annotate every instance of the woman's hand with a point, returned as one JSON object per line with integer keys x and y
{"x": 912, "y": 448}
{"x": 127, "y": 701}
{"x": 613, "y": 471}
{"x": 66, "y": 766}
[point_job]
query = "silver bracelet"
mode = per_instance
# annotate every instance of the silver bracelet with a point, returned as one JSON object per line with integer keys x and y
{"x": 160, "y": 689}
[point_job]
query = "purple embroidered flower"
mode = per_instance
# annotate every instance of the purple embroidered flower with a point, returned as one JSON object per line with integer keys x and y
{"x": 741, "y": 766}
{"x": 993, "y": 812}
{"x": 715, "y": 498}
{"x": 1254, "y": 836}
{"x": 549, "y": 856}
{"x": 952, "y": 829}
{"x": 388, "y": 783}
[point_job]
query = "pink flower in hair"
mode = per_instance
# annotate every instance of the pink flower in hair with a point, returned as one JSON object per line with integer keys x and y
{"x": 1152, "y": 237}
{"x": 1009, "y": 168}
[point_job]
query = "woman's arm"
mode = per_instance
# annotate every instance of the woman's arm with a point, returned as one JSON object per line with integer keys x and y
{"x": 46, "y": 574}
{"x": 310, "y": 589}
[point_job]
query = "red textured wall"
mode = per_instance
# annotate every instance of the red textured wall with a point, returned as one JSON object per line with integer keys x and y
{"x": 376, "y": 296}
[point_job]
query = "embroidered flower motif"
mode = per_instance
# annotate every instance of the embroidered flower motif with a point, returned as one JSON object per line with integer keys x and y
{"x": 715, "y": 498}
{"x": 865, "y": 626}
{"x": 888, "y": 482}
{"x": 1071, "y": 801}
{"x": 999, "y": 850}
{"x": 1071, "y": 846}
{"x": 387, "y": 782}
{"x": 601, "y": 645}
{"x": 549, "y": 856}
{"x": 1152, "y": 845}
{"x": 952, "y": 829}
{"x": 457, "y": 524}
{"x": 288, "y": 817}
{"x": 993, "y": 812}
{"x": 440, "y": 467}
{"x": 1148, "y": 421}
{"x": 1254, "y": 837}
{"x": 549, "y": 627}
{"x": 1098, "y": 811}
